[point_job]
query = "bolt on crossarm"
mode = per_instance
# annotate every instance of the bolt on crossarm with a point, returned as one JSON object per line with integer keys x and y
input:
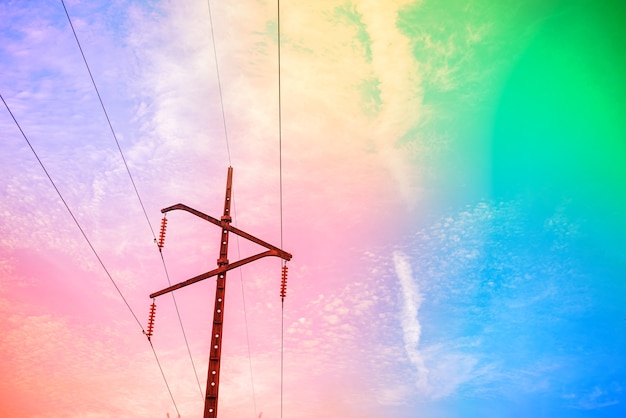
{"x": 223, "y": 265}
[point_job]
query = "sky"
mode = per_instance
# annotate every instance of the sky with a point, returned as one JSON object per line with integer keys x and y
{"x": 452, "y": 177}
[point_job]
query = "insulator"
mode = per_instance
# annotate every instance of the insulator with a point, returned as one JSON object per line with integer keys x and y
{"x": 151, "y": 320}
{"x": 283, "y": 283}
{"x": 162, "y": 234}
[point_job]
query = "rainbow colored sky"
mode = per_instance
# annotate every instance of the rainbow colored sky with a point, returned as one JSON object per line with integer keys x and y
{"x": 454, "y": 195}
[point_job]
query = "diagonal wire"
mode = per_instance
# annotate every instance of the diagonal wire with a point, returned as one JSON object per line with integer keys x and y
{"x": 280, "y": 134}
{"x": 87, "y": 240}
{"x": 219, "y": 82}
{"x": 71, "y": 213}
{"x": 108, "y": 120}
{"x": 163, "y": 374}
{"x": 134, "y": 186}
{"x": 193, "y": 365}
{"x": 245, "y": 313}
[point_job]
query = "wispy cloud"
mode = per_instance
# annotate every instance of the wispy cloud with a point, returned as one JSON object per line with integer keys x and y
{"x": 598, "y": 397}
{"x": 411, "y": 327}
{"x": 440, "y": 369}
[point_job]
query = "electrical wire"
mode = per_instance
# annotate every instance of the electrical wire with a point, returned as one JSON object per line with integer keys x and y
{"x": 219, "y": 83}
{"x": 108, "y": 120}
{"x": 193, "y": 365}
{"x": 282, "y": 353}
{"x": 245, "y": 313}
{"x": 280, "y": 133}
{"x": 130, "y": 176}
{"x": 82, "y": 231}
{"x": 71, "y": 213}
{"x": 163, "y": 374}
{"x": 280, "y": 176}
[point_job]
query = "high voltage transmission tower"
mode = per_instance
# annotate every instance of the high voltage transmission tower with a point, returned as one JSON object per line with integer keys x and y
{"x": 212, "y": 387}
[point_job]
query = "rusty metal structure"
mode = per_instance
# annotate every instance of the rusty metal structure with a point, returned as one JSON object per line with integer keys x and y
{"x": 223, "y": 265}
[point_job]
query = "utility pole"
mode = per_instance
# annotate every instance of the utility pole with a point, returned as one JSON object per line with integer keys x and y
{"x": 223, "y": 265}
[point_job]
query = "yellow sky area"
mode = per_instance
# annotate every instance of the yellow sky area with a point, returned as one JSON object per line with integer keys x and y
{"x": 325, "y": 67}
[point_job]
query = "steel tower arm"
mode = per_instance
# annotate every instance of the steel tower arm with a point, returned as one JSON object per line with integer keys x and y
{"x": 216, "y": 272}
{"x": 224, "y": 223}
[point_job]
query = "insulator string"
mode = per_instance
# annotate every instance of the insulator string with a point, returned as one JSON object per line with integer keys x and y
{"x": 283, "y": 284}
{"x": 162, "y": 233}
{"x": 151, "y": 321}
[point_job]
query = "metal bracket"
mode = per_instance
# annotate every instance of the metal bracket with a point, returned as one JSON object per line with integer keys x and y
{"x": 225, "y": 225}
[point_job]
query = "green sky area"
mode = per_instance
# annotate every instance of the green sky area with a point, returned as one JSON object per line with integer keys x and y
{"x": 533, "y": 109}
{"x": 559, "y": 136}
{"x": 560, "y": 126}
{"x": 526, "y": 99}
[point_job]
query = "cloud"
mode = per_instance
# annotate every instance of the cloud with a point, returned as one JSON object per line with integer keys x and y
{"x": 598, "y": 397}
{"x": 396, "y": 71}
{"x": 411, "y": 328}
{"x": 440, "y": 369}
{"x": 490, "y": 299}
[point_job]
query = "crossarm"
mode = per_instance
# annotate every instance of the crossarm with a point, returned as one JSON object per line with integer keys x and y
{"x": 227, "y": 226}
{"x": 215, "y": 272}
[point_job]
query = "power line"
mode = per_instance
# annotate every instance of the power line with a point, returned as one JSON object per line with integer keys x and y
{"x": 134, "y": 187}
{"x": 71, "y": 213}
{"x": 280, "y": 133}
{"x": 108, "y": 120}
{"x": 219, "y": 82}
{"x": 193, "y": 365}
{"x": 245, "y": 312}
{"x": 87, "y": 240}
{"x": 280, "y": 180}
{"x": 163, "y": 374}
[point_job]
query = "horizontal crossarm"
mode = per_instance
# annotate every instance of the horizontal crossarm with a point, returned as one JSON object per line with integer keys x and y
{"x": 215, "y": 272}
